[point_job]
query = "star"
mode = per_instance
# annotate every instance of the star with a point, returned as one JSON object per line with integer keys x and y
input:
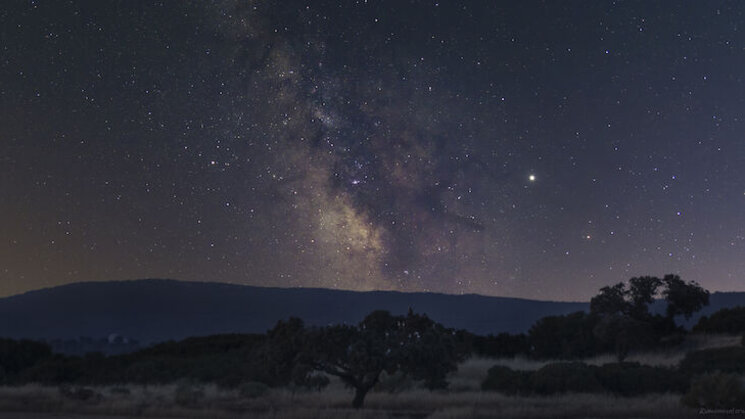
{"x": 312, "y": 156}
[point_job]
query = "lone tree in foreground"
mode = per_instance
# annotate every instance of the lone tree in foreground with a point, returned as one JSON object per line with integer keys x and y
{"x": 412, "y": 344}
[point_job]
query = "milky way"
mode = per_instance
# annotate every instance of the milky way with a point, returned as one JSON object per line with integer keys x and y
{"x": 534, "y": 150}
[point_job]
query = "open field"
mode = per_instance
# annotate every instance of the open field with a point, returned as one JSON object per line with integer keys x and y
{"x": 463, "y": 399}
{"x": 159, "y": 402}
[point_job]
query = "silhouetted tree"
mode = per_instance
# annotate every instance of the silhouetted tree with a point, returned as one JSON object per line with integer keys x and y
{"x": 632, "y": 301}
{"x": 622, "y": 334}
{"x": 642, "y": 292}
{"x": 412, "y": 344}
{"x": 564, "y": 337}
{"x": 726, "y": 320}
{"x": 503, "y": 345}
{"x": 625, "y": 322}
{"x": 683, "y": 298}
{"x": 276, "y": 362}
{"x": 432, "y": 351}
{"x": 610, "y": 301}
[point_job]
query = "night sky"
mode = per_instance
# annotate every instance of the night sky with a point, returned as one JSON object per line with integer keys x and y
{"x": 530, "y": 149}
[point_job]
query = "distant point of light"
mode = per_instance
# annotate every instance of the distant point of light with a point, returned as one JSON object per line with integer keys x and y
{"x": 531, "y": 177}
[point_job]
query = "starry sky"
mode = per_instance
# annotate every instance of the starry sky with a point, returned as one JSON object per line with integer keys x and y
{"x": 525, "y": 149}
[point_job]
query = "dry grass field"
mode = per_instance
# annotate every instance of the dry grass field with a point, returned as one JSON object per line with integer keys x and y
{"x": 159, "y": 402}
{"x": 462, "y": 400}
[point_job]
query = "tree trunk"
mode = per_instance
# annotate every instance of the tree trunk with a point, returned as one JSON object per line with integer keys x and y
{"x": 359, "y": 396}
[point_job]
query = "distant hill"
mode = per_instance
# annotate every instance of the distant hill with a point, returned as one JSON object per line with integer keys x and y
{"x": 153, "y": 310}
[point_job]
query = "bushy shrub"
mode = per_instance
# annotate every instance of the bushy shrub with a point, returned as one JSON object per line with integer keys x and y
{"x": 716, "y": 391}
{"x": 156, "y": 370}
{"x": 188, "y": 394}
{"x": 569, "y": 336}
{"x": 729, "y": 359}
{"x": 121, "y": 391}
{"x": 726, "y": 320}
{"x": 17, "y": 356}
{"x": 625, "y": 379}
{"x": 59, "y": 369}
{"x": 507, "y": 381}
{"x": 671, "y": 341}
{"x": 565, "y": 377}
{"x": 632, "y": 379}
{"x": 82, "y": 394}
{"x": 503, "y": 345}
{"x": 252, "y": 389}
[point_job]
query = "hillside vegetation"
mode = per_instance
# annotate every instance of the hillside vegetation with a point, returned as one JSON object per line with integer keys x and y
{"x": 612, "y": 361}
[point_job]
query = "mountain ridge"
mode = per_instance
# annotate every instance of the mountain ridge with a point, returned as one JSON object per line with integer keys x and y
{"x": 153, "y": 310}
{"x": 171, "y": 280}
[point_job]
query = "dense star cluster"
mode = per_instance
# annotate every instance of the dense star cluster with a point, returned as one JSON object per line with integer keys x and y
{"x": 532, "y": 149}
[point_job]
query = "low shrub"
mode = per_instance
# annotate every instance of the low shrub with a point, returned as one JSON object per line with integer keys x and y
{"x": 507, "y": 381}
{"x": 624, "y": 379}
{"x": 503, "y": 345}
{"x": 671, "y": 341}
{"x": 57, "y": 370}
{"x": 632, "y": 379}
{"x": 565, "y": 377}
{"x": 729, "y": 359}
{"x": 252, "y": 389}
{"x": 726, "y": 320}
{"x": 82, "y": 394}
{"x": 716, "y": 391}
{"x": 122, "y": 391}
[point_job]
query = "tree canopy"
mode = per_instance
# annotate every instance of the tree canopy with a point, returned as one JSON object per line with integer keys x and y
{"x": 624, "y": 320}
{"x": 412, "y": 344}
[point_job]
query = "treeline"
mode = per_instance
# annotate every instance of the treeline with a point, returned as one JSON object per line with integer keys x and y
{"x": 111, "y": 345}
{"x": 619, "y": 322}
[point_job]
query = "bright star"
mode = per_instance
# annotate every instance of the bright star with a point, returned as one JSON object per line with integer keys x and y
{"x": 531, "y": 178}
